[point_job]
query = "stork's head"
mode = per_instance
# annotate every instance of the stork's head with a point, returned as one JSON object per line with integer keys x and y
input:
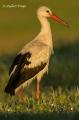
{"x": 46, "y": 12}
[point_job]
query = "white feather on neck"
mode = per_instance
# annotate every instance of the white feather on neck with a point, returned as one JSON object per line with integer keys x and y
{"x": 45, "y": 34}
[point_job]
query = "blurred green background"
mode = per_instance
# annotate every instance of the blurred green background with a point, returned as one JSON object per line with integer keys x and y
{"x": 18, "y": 26}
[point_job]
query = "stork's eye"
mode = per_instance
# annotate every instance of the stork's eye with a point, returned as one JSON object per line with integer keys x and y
{"x": 47, "y": 11}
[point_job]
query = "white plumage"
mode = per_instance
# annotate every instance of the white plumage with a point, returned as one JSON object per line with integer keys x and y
{"x": 33, "y": 60}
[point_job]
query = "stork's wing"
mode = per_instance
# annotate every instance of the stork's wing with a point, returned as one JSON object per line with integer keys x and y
{"x": 38, "y": 60}
{"x": 29, "y": 62}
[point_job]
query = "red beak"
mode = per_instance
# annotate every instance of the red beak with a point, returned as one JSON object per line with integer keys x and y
{"x": 55, "y": 17}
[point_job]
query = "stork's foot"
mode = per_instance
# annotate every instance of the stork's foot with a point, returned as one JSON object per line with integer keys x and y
{"x": 23, "y": 99}
{"x": 21, "y": 96}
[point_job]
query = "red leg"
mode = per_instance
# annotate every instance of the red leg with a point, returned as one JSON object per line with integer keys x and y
{"x": 37, "y": 90}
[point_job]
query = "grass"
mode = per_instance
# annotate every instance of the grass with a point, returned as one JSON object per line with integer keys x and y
{"x": 58, "y": 100}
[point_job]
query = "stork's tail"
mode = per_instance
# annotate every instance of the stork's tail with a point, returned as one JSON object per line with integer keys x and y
{"x": 9, "y": 90}
{"x": 11, "y": 86}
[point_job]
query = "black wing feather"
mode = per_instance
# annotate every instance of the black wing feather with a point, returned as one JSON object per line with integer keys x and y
{"x": 20, "y": 61}
{"x": 20, "y": 77}
{"x": 28, "y": 73}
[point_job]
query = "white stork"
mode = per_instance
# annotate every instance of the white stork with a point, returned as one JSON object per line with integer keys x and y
{"x": 33, "y": 60}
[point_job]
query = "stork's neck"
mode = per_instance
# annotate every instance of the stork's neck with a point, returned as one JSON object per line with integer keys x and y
{"x": 45, "y": 26}
{"x": 45, "y": 32}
